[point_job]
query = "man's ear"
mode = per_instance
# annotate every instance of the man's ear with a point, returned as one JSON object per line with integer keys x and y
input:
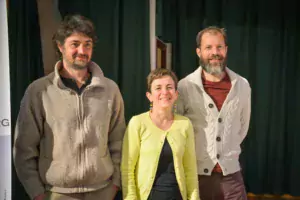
{"x": 198, "y": 52}
{"x": 59, "y": 46}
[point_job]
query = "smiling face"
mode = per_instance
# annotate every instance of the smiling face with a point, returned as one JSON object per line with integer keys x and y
{"x": 212, "y": 53}
{"x": 163, "y": 93}
{"x": 77, "y": 51}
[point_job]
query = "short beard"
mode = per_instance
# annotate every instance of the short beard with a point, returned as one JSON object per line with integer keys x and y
{"x": 215, "y": 70}
{"x": 79, "y": 65}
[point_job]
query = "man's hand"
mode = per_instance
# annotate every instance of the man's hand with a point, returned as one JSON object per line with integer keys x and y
{"x": 40, "y": 197}
{"x": 116, "y": 188}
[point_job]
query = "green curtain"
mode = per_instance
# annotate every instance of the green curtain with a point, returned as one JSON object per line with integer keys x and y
{"x": 264, "y": 48}
{"x": 26, "y": 63}
{"x": 122, "y": 50}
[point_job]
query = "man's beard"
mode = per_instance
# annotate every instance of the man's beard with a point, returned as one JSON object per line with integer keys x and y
{"x": 215, "y": 68}
{"x": 79, "y": 64}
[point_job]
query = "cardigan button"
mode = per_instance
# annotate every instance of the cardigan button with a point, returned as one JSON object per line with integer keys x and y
{"x": 218, "y": 138}
{"x": 218, "y": 156}
{"x": 205, "y": 170}
{"x": 211, "y": 105}
{"x": 220, "y": 120}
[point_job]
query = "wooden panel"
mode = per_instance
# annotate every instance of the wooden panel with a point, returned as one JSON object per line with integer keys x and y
{"x": 161, "y": 54}
{"x": 271, "y": 197}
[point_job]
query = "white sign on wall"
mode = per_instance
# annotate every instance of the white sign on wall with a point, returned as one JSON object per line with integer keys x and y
{"x": 5, "y": 125}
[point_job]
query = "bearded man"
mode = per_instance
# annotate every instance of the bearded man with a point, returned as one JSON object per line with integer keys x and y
{"x": 69, "y": 132}
{"x": 218, "y": 102}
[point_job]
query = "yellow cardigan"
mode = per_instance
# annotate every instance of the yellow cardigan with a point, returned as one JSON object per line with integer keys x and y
{"x": 142, "y": 144}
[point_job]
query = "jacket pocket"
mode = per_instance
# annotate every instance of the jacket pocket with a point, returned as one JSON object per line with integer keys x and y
{"x": 47, "y": 145}
{"x": 103, "y": 141}
{"x": 97, "y": 125}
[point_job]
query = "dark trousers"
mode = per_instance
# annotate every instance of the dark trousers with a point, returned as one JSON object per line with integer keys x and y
{"x": 219, "y": 187}
{"x": 164, "y": 195}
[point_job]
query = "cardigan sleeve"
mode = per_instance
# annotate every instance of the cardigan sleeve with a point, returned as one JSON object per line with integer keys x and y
{"x": 190, "y": 165}
{"x": 245, "y": 115}
{"x": 180, "y": 104}
{"x": 130, "y": 154}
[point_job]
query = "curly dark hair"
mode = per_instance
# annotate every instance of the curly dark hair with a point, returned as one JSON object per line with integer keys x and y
{"x": 73, "y": 24}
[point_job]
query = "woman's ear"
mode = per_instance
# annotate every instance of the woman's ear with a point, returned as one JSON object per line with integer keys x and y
{"x": 149, "y": 96}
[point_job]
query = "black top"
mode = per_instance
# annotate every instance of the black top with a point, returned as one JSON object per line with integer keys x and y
{"x": 71, "y": 83}
{"x": 165, "y": 179}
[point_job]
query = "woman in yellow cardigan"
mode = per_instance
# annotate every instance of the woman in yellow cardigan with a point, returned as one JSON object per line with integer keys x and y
{"x": 158, "y": 157}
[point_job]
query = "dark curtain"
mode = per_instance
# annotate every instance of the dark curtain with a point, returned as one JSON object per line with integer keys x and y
{"x": 264, "y": 48}
{"x": 122, "y": 50}
{"x": 26, "y": 62}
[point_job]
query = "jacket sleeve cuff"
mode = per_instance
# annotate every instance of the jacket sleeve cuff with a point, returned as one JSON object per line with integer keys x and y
{"x": 33, "y": 188}
{"x": 35, "y": 192}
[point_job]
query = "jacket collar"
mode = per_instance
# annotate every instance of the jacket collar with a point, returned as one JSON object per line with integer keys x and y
{"x": 96, "y": 72}
{"x": 195, "y": 77}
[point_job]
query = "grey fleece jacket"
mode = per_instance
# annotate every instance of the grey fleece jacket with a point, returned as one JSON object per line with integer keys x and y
{"x": 69, "y": 143}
